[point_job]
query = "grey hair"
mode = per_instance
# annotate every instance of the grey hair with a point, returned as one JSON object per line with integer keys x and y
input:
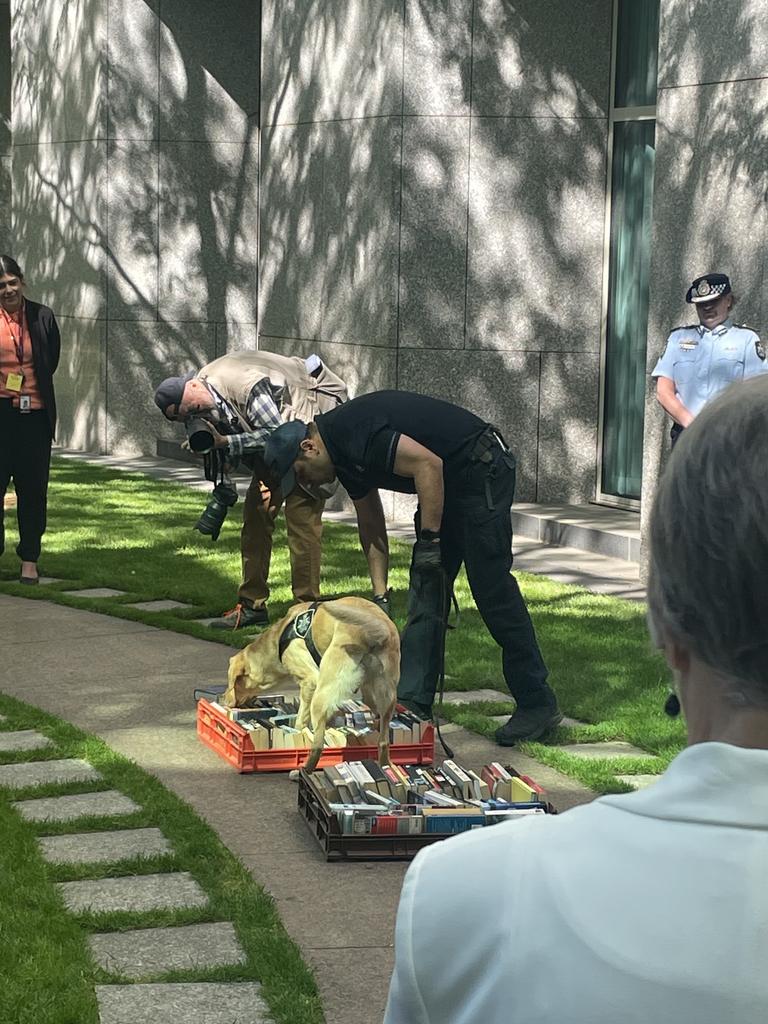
{"x": 708, "y": 585}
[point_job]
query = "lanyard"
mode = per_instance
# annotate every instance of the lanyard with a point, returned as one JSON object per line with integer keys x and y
{"x": 18, "y": 342}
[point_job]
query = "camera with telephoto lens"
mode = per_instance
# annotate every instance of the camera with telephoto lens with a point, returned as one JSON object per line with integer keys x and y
{"x": 222, "y": 499}
{"x": 199, "y": 436}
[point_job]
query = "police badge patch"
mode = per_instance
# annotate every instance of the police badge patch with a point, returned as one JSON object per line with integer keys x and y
{"x": 759, "y": 349}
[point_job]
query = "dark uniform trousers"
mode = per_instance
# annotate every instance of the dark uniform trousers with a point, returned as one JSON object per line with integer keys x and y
{"x": 476, "y": 530}
{"x": 25, "y": 457}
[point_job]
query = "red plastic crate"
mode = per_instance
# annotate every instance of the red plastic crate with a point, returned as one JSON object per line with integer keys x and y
{"x": 232, "y": 742}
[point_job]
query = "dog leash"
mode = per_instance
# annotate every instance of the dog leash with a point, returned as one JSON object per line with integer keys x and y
{"x": 444, "y": 610}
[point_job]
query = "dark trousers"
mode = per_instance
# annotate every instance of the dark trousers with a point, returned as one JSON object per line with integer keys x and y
{"x": 25, "y": 457}
{"x": 476, "y": 530}
{"x": 675, "y": 433}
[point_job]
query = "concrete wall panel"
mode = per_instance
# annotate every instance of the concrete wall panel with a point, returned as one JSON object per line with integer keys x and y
{"x": 567, "y": 442}
{"x": 324, "y": 61}
{"x": 139, "y": 356}
{"x": 437, "y": 62}
{"x": 52, "y": 103}
{"x": 433, "y": 248}
{"x": 208, "y": 231}
{"x": 59, "y": 200}
{"x": 79, "y": 384}
{"x": 501, "y": 387}
{"x": 541, "y": 58}
{"x": 132, "y": 69}
{"x": 132, "y": 206}
{"x": 705, "y": 41}
{"x": 536, "y": 195}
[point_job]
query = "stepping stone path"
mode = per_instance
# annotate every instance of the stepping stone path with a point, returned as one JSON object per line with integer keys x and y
{"x": 155, "y": 950}
{"x": 108, "y": 802}
{"x": 24, "y": 739}
{"x": 158, "y": 606}
{"x": 98, "y": 847}
{"x": 137, "y": 893}
{"x": 96, "y": 592}
{"x": 471, "y": 696}
{"x": 40, "y": 773}
{"x": 604, "y": 751}
{"x": 638, "y": 781}
{"x": 206, "y": 1003}
{"x": 140, "y": 952}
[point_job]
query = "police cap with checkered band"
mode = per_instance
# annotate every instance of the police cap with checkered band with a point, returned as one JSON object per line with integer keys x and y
{"x": 708, "y": 288}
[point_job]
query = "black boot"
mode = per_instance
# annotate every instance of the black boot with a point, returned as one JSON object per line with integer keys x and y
{"x": 529, "y": 724}
{"x": 241, "y": 617}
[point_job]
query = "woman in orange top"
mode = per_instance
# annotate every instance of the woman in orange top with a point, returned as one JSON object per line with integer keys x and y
{"x": 29, "y": 355}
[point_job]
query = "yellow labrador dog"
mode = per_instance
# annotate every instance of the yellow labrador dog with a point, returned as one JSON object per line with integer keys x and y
{"x": 347, "y": 649}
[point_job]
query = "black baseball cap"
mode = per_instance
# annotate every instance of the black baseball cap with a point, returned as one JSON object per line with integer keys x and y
{"x": 171, "y": 392}
{"x": 281, "y": 451}
{"x": 708, "y": 287}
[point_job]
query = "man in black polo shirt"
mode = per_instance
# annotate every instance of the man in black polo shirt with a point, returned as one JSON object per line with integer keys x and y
{"x": 464, "y": 477}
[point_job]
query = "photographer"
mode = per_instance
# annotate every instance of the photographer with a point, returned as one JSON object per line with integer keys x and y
{"x": 240, "y": 399}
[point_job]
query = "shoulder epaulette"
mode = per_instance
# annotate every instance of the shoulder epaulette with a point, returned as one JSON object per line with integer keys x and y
{"x": 747, "y": 327}
{"x": 684, "y": 327}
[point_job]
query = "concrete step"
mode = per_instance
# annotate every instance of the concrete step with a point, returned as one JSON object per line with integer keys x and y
{"x": 612, "y": 532}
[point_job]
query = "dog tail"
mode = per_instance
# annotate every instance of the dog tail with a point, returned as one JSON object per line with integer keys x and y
{"x": 377, "y": 629}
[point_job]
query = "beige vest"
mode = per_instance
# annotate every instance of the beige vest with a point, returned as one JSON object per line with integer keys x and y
{"x": 301, "y": 396}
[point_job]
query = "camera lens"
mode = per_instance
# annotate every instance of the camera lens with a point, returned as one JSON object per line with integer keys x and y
{"x": 210, "y": 522}
{"x": 199, "y": 436}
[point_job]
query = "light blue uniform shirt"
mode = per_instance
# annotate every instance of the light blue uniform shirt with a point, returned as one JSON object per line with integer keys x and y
{"x": 703, "y": 363}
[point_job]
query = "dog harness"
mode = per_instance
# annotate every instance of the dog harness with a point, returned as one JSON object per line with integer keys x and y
{"x": 300, "y": 628}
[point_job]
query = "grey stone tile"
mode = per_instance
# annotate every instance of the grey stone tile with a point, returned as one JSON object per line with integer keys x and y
{"x": 471, "y": 696}
{"x": 438, "y": 43}
{"x": 132, "y": 208}
{"x": 638, "y": 781}
{"x": 95, "y": 847}
{"x": 144, "y": 951}
{"x": 208, "y": 226}
{"x": 46, "y": 581}
{"x": 236, "y": 337}
{"x": 60, "y": 106}
{"x": 692, "y": 50}
{"x": 541, "y": 60}
{"x": 24, "y": 739}
{"x": 6, "y": 239}
{"x": 344, "y": 992}
{"x": 85, "y": 382}
{"x": 164, "y": 605}
{"x": 568, "y": 722}
{"x": 96, "y": 592}
{"x": 132, "y": 70}
{"x": 567, "y": 446}
{"x": 140, "y": 355}
{"x": 206, "y": 1003}
{"x": 78, "y": 805}
{"x": 5, "y": 80}
{"x": 209, "y": 71}
{"x": 603, "y": 750}
{"x": 40, "y": 773}
{"x": 330, "y": 61}
{"x": 501, "y": 387}
{"x": 537, "y": 197}
{"x": 69, "y": 178}
{"x": 433, "y": 251}
{"x": 133, "y": 892}
{"x": 3, "y": 718}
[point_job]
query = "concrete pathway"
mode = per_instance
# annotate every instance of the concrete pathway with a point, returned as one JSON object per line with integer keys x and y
{"x": 132, "y": 685}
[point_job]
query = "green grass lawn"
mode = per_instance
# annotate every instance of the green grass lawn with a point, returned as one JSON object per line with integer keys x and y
{"x": 127, "y": 531}
{"x": 48, "y": 976}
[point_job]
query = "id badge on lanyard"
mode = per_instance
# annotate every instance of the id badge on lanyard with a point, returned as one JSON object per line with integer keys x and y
{"x": 15, "y": 381}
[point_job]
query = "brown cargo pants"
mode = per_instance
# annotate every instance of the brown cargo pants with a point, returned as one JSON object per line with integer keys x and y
{"x": 303, "y": 520}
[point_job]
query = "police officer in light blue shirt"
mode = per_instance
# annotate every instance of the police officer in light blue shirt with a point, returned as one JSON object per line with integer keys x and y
{"x": 703, "y": 359}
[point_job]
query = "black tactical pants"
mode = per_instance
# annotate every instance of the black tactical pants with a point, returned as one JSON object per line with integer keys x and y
{"x": 25, "y": 456}
{"x": 476, "y": 530}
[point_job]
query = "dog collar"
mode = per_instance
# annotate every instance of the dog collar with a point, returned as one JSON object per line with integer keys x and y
{"x": 300, "y": 628}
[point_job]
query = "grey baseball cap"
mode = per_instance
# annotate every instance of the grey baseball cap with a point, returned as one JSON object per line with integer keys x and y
{"x": 281, "y": 451}
{"x": 171, "y": 391}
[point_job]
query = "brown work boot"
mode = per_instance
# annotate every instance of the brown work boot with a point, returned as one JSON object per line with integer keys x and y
{"x": 241, "y": 617}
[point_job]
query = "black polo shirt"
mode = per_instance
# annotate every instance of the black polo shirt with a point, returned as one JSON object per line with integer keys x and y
{"x": 362, "y": 436}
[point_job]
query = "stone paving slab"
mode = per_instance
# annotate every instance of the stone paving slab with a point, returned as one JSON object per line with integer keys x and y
{"x": 78, "y": 805}
{"x": 207, "y": 622}
{"x": 103, "y": 847}
{"x": 24, "y": 739}
{"x": 164, "y": 605}
{"x": 204, "y": 1003}
{"x": 569, "y": 722}
{"x": 471, "y": 696}
{"x": 639, "y": 781}
{"x": 145, "y": 951}
{"x": 3, "y": 718}
{"x": 137, "y": 893}
{"x": 44, "y": 581}
{"x": 39, "y": 773}
{"x": 96, "y": 592}
{"x": 604, "y": 751}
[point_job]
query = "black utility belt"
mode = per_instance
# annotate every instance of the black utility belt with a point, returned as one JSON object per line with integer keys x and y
{"x": 487, "y": 445}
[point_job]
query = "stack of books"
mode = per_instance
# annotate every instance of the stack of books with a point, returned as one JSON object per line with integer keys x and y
{"x": 372, "y": 799}
{"x": 271, "y": 722}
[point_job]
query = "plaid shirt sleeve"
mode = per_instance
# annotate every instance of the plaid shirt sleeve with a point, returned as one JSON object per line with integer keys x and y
{"x": 263, "y": 415}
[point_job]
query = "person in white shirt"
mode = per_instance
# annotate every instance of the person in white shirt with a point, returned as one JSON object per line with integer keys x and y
{"x": 650, "y": 907}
